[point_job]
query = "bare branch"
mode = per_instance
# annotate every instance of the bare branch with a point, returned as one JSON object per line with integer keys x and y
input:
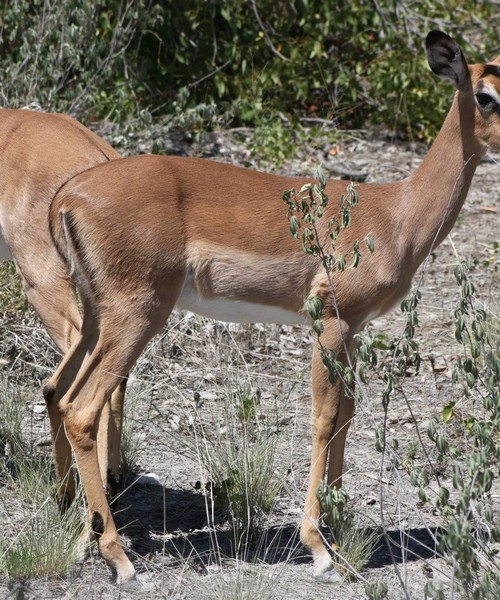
{"x": 265, "y": 34}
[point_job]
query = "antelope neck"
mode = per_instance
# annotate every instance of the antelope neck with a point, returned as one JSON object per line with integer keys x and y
{"x": 433, "y": 195}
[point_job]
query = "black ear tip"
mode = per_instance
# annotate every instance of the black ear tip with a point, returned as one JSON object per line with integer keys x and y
{"x": 434, "y": 37}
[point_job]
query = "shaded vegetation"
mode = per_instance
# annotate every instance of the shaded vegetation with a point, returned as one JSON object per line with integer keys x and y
{"x": 360, "y": 63}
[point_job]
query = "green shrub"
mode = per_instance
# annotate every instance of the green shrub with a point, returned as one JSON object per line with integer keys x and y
{"x": 321, "y": 55}
{"x": 359, "y": 62}
{"x": 240, "y": 459}
{"x": 71, "y": 57}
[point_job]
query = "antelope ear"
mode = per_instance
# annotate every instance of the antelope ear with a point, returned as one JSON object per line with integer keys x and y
{"x": 446, "y": 59}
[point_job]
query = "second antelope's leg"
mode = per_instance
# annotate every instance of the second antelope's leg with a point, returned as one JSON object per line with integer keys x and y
{"x": 51, "y": 295}
{"x": 331, "y": 413}
{"x": 53, "y": 391}
{"x": 53, "y": 298}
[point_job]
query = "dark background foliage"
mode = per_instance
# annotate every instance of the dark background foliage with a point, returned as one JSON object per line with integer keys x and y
{"x": 360, "y": 63}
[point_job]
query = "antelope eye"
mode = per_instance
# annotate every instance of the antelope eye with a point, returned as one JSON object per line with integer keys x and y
{"x": 485, "y": 100}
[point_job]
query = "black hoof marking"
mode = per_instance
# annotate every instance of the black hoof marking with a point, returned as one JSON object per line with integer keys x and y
{"x": 48, "y": 392}
{"x": 97, "y": 524}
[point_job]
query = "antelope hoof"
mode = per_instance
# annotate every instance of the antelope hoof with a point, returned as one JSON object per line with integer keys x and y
{"x": 125, "y": 576}
{"x": 323, "y": 569}
{"x": 330, "y": 576}
{"x": 322, "y": 562}
{"x": 130, "y": 585}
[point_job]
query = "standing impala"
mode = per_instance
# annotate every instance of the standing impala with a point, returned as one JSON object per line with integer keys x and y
{"x": 38, "y": 153}
{"x": 143, "y": 235}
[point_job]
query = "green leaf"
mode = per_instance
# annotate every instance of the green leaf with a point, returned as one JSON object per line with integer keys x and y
{"x": 493, "y": 362}
{"x": 314, "y": 306}
{"x": 448, "y": 412}
{"x": 318, "y": 327}
{"x": 341, "y": 263}
{"x": 370, "y": 244}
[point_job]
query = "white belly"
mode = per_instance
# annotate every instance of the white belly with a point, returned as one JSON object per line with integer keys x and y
{"x": 4, "y": 251}
{"x": 234, "y": 311}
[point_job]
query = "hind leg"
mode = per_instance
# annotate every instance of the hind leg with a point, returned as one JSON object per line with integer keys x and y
{"x": 114, "y": 436}
{"x": 109, "y": 439}
{"x": 124, "y": 330}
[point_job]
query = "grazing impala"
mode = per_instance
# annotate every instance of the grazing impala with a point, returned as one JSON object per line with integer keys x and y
{"x": 144, "y": 235}
{"x": 38, "y": 153}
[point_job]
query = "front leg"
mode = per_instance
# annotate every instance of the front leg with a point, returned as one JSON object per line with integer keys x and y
{"x": 331, "y": 415}
{"x": 337, "y": 443}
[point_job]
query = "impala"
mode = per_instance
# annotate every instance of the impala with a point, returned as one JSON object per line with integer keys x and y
{"x": 146, "y": 234}
{"x": 38, "y": 153}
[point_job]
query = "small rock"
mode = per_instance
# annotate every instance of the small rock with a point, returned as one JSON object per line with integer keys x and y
{"x": 148, "y": 480}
